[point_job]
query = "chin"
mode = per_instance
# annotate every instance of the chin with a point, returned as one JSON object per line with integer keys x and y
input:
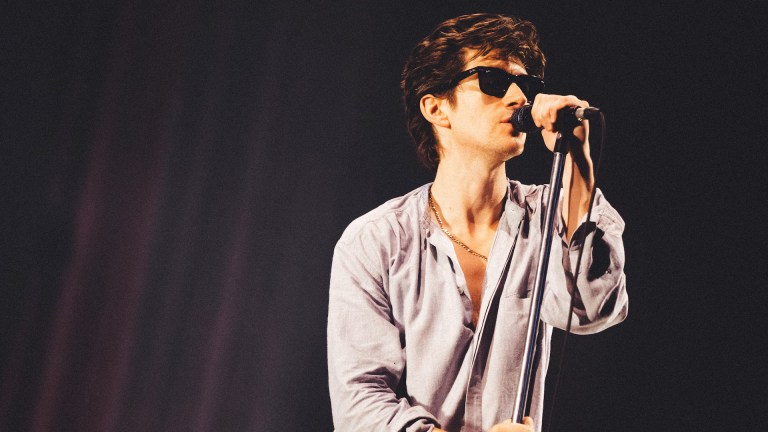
{"x": 517, "y": 147}
{"x": 512, "y": 153}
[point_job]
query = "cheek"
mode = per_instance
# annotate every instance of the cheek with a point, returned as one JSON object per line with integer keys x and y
{"x": 475, "y": 119}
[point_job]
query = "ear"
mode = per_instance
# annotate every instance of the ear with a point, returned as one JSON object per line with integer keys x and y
{"x": 433, "y": 109}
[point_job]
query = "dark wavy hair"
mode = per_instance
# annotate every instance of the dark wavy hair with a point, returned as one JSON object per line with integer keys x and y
{"x": 437, "y": 58}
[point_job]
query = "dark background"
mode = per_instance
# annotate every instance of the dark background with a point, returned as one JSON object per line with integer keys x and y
{"x": 175, "y": 176}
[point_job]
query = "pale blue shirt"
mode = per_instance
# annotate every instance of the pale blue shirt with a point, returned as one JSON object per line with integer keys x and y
{"x": 403, "y": 353}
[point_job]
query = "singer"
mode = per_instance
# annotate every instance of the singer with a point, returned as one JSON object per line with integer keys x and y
{"x": 430, "y": 292}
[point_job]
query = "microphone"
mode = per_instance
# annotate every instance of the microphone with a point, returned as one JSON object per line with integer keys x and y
{"x": 567, "y": 118}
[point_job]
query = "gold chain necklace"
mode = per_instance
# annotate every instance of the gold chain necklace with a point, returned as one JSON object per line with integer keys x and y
{"x": 450, "y": 236}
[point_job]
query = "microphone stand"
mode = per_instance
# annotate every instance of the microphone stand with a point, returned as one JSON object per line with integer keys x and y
{"x": 555, "y": 182}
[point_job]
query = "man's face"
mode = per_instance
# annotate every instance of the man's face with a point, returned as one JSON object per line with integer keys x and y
{"x": 479, "y": 123}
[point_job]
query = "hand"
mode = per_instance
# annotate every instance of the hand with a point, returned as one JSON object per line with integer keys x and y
{"x": 544, "y": 112}
{"x": 508, "y": 426}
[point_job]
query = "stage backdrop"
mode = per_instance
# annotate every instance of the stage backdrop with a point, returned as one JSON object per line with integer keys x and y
{"x": 176, "y": 174}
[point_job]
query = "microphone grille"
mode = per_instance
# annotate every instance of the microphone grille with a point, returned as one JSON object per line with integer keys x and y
{"x": 522, "y": 120}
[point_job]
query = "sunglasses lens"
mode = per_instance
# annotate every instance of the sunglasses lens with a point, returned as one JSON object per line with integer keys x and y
{"x": 530, "y": 86}
{"x": 494, "y": 82}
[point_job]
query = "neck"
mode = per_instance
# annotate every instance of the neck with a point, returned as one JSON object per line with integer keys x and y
{"x": 470, "y": 194}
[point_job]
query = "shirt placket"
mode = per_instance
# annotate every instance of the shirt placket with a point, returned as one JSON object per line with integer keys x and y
{"x": 501, "y": 254}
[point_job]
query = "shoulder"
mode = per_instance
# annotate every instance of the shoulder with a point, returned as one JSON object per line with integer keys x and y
{"x": 526, "y": 196}
{"x": 396, "y": 219}
{"x": 377, "y": 240}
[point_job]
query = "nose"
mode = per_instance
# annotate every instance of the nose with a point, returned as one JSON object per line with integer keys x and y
{"x": 515, "y": 96}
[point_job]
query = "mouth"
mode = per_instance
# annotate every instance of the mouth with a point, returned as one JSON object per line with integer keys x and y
{"x": 514, "y": 132}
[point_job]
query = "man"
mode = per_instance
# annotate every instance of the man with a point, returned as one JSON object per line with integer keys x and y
{"x": 430, "y": 292}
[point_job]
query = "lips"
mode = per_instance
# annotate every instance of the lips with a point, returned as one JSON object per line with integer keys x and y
{"x": 514, "y": 131}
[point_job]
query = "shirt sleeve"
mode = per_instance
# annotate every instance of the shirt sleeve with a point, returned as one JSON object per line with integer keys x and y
{"x": 601, "y": 297}
{"x": 366, "y": 359}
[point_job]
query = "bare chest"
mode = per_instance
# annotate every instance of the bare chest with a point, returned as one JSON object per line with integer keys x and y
{"x": 474, "y": 274}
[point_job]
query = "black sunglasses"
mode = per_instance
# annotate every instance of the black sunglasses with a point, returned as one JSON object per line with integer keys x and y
{"x": 496, "y": 82}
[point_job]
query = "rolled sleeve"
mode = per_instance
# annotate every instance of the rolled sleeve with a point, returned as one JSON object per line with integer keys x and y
{"x": 601, "y": 297}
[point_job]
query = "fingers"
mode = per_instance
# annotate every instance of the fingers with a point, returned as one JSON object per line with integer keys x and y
{"x": 508, "y": 426}
{"x": 545, "y": 108}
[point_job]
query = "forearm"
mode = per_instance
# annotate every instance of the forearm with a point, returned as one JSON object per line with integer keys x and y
{"x": 578, "y": 183}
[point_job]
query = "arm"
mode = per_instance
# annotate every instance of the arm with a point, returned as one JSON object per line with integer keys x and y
{"x": 578, "y": 175}
{"x": 578, "y": 183}
{"x": 365, "y": 356}
{"x": 601, "y": 299}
